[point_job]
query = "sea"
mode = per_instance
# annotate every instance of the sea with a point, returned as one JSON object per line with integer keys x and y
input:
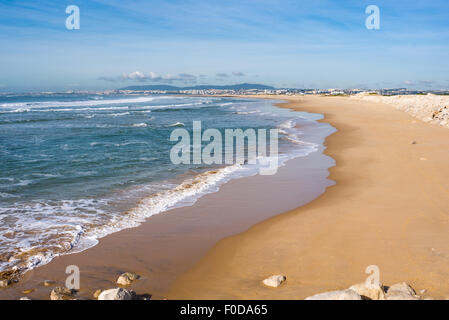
{"x": 77, "y": 167}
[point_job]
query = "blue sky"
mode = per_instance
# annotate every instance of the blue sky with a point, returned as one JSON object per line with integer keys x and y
{"x": 319, "y": 44}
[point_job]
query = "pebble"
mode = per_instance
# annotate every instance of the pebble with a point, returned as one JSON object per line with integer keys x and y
{"x": 274, "y": 281}
{"x": 28, "y": 291}
{"x": 49, "y": 283}
{"x": 4, "y": 283}
{"x": 97, "y": 293}
{"x": 127, "y": 278}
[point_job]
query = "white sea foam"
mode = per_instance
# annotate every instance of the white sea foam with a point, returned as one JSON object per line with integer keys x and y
{"x": 119, "y": 114}
{"x": 23, "y": 183}
{"x": 47, "y": 224}
{"x": 46, "y": 175}
{"x": 176, "y": 124}
{"x": 288, "y": 124}
{"x": 7, "y": 195}
{"x": 53, "y": 104}
{"x": 129, "y": 143}
{"x": 90, "y": 105}
{"x": 245, "y": 112}
{"x": 139, "y": 125}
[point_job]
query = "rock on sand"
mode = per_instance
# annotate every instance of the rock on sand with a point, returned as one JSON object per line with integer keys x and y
{"x": 60, "y": 293}
{"x": 4, "y": 283}
{"x": 348, "y": 294}
{"x": 274, "y": 281}
{"x": 127, "y": 278}
{"x": 116, "y": 294}
{"x": 401, "y": 291}
{"x": 372, "y": 292}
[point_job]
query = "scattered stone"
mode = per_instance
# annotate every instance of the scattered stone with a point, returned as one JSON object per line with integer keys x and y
{"x": 24, "y": 298}
{"x": 127, "y": 278}
{"x": 4, "y": 283}
{"x": 413, "y": 142}
{"x": 348, "y": 294}
{"x": 274, "y": 281}
{"x": 49, "y": 283}
{"x": 403, "y": 287}
{"x": 10, "y": 275}
{"x": 28, "y": 291}
{"x": 401, "y": 291}
{"x": 400, "y": 296}
{"x": 116, "y": 294}
{"x": 374, "y": 292}
{"x": 60, "y": 293}
{"x": 97, "y": 293}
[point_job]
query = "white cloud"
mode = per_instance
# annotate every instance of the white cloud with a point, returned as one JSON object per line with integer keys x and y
{"x": 420, "y": 83}
{"x": 151, "y": 77}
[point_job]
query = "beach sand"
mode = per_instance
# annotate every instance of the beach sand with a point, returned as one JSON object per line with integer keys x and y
{"x": 389, "y": 208}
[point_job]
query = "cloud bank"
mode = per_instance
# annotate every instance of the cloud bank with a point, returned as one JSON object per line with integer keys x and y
{"x": 152, "y": 77}
{"x": 188, "y": 78}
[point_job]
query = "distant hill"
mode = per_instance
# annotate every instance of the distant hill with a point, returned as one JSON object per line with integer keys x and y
{"x": 242, "y": 86}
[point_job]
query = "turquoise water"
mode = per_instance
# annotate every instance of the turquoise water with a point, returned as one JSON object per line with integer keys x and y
{"x": 74, "y": 168}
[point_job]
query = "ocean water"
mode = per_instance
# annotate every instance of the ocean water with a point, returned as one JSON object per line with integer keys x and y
{"x": 75, "y": 168}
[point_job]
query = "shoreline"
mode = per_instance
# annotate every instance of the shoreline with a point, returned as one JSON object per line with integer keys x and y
{"x": 388, "y": 208}
{"x": 168, "y": 244}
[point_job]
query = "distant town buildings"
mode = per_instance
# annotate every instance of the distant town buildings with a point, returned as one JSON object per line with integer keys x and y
{"x": 240, "y": 92}
{"x": 330, "y": 92}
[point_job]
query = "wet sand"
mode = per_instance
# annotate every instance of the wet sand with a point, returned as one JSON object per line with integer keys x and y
{"x": 169, "y": 244}
{"x": 389, "y": 208}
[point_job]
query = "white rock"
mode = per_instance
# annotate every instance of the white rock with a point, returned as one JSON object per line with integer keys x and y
{"x": 274, "y": 281}
{"x": 116, "y": 294}
{"x": 403, "y": 287}
{"x": 49, "y": 283}
{"x": 401, "y": 291}
{"x": 61, "y": 293}
{"x": 336, "y": 295}
{"x": 4, "y": 283}
{"x": 97, "y": 293}
{"x": 374, "y": 292}
{"x": 127, "y": 278}
{"x": 396, "y": 295}
{"x": 24, "y": 298}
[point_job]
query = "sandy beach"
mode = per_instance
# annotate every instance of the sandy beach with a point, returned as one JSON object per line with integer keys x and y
{"x": 265, "y": 153}
{"x": 384, "y": 203}
{"x": 388, "y": 208}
